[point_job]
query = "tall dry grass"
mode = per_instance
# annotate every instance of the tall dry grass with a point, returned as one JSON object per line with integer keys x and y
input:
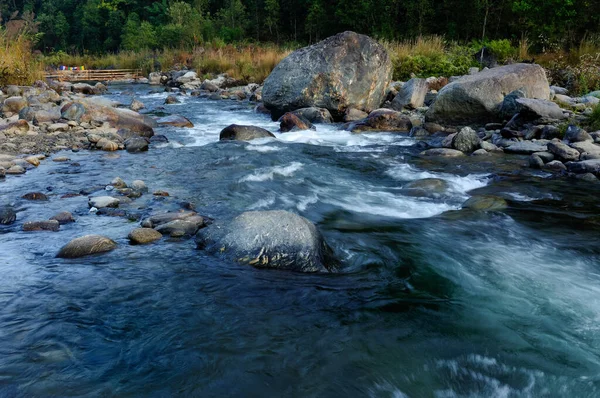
{"x": 18, "y": 65}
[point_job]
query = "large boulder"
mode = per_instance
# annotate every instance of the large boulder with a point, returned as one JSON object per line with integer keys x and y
{"x": 87, "y": 245}
{"x": 270, "y": 239}
{"x": 478, "y": 97}
{"x": 243, "y": 133}
{"x": 314, "y": 115}
{"x": 120, "y": 118}
{"x": 292, "y": 122}
{"x": 385, "y": 120}
{"x": 347, "y": 70}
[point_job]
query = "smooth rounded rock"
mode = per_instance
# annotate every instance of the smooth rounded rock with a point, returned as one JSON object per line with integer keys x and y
{"x": 243, "y": 133}
{"x": 485, "y": 203}
{"x": 49, "y": 225}
{"x": 142, "y": 236}
{"x": 86, "y": 246}
{"x": 63, "y": 218}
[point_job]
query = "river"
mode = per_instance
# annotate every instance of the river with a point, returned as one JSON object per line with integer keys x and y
{"x": 429, "y": 301}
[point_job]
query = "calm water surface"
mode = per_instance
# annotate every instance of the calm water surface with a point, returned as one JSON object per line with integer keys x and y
{"x": 429, "y": 302}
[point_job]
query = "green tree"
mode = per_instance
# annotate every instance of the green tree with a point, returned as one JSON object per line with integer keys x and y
{"x": 138, "y": 35}
{"x": 272, "y": 17}
{"x": 315, "y": 21}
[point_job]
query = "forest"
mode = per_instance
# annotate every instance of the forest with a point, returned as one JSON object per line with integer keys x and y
{"x": 101, "y": 26}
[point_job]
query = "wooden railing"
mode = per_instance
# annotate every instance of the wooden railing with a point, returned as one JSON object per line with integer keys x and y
{"x": 94, "y": 75}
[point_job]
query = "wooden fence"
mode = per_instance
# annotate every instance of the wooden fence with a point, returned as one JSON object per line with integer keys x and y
{"x": 94, "y": 75}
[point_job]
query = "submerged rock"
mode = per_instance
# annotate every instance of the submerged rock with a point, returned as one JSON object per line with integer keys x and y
{"x": 384, "y": 120}
{"x": 7, "y": 215}
{"x": 50, "y": 225}
{"x": 175, "y": 121}
{"x": 347, "y": 70}
{"x": 485, "y": 203}
{"x": 243, "y": 133}
{"x": 87, "y": 245}
{"x": 270, "y": 239}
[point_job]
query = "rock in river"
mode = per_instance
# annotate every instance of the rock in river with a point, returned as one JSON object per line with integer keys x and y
{"x": 87, "y": 245}
{"x": 270, "y": 239}
{"x": 50, "y": 225}
{"x": 142, "y": 236}
{"x": 100, "y": 202}
{"x": 243, "y": 133}
{"x": 292, "y": 122}
{"x": 347, "y": 70}
{"x": 7, "y": 215}
{"x": 63, "y": 218}
{"x": 175, "y": 121}
{"x": 485, "y": 203}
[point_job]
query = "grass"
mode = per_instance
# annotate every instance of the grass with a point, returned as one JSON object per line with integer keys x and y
{"x": 594, "y": 119}
{"x": 17, "y": 63}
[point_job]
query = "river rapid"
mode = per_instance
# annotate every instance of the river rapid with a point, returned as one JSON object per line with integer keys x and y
{"x": 429, "y": 301}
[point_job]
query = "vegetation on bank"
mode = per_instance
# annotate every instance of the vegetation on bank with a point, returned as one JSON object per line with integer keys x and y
{"x": 17, "y": 63}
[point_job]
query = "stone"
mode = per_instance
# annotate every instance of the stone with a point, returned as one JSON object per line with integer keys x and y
{"x": 550, "y": 132}
{"x": 137, "y": 144}
{"x": 143, "y": 236}
{"x": 50, "y": 225}
{"x": 154, "y": 78}
{"x": 15, "y": 170}
{"x": 109, "y": 146}
{"x": 478, "y": 98}
{"x": 270, "y": 239}
{"x": 60, "y": 159}
{"x": 164, "y": 218}
{"x": 139, "y": 185}
{"x": 63, "y": 218}
{"x": 87, "y": 245}
{"x": 418, "y": 132}
{"x": 555, "y": 166}
{"x": 33, "y": 160}
{"x": 7, "y": 215}
{"x": 585, "y": 166}
{"x": 384, "y": 120}
{"x": 480, "y": 152}
{"x": 36, "y": 196}
{"x": 489, "y": 147}
{"x": 526, "y": 147}
{"x": 353, "y": 115}
{"x": 314, "y": 115}
{"x": 545, "y": 156}
{"x": 577, "y": 134}
{"x": 118, "y": 182}
{"x": 243, "y": 133}
{"x": 136, "y": 105}
{"x": 485, "y": 203}
{"x": 344, "y": 71}
{"x": 535, "y": 162}
{"x": 73, "y": 111}
{"x": 559, "y": 90}
{"x": 426, "y": 187}
{"x": 175, "y": 121}
{"x": 466, "y": 140}
{"x": 14, "y": 104}
{"x": 292, "y": 122}
{"x": 83, "y": 88}
{"x": 533, "y": 109}
{"x": 411, "y": 95}
{"x": 563, "y": 151}
{"x": 171, "y": 99}
{"x": 443, "y": 152}
{"x": 182, "y": 227}
{"x": 100, "y": 202}
{"x": 586, "y": 147}
{"x": 509, "y": 105}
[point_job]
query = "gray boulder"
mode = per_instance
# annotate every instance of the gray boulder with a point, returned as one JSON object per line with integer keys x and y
{"x": 411, "y": 95}
{"x": 385, "y": 120}
{"x": 533, "y": 109}
{"x": 87, "y": 245}
{"x": 526, "y": 147}
{"x": 443, "y": 152}
{"x": 563, "y": 151}
{"x": 137, "y": 144}
{"x": 270, "y": 239}
{"x": 466, "y": 140}
{"x": 485, "y": 203}
{"x": 292, "y": 122}
{"x": 7, "y": 215}
{"x": 577, "y": 134}
{"x": 49, "y": 225}
{"x": 347, "y": 70}
{"x": 585, "y": 166}
{"x": 314, "y": 115}
{"x": 243, "y": 133}
{"x": 477, "y": 98}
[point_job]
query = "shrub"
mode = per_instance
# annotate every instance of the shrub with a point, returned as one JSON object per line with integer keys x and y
{"x": 17, "y": 63}
{"x": 594, "y": 119}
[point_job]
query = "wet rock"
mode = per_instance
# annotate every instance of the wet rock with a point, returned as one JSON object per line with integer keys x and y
{"x": 585, "y": 166}
{"x": 171, "y": 99}
{"x": 314, "y": 115}
{"x": 577, "y": 134}
{"x": 243, "y": 133}
{"x": 137, "y": 144}
{"x": 345, "y": 71}
{"x": 526, "y": 147}
{"x": 7, "y": 215}
{"x": 50, "y": 225}
{"x": 555, "y": 166}
{"x": 384, "y": 120}
{"x": 418, "y": 132}
{"x": 488, "y": 146}
{"x": 426, "y": 187}
{"x": 87, "y": 245}
{"x": 411, "y": 95}
{"x": 485, "y": 203}
{"x": 209, "y": 86}
{"x": 160, "y": 193}
{"x": 535, "y": 162}
{"x": 466, "y": 140}
{"x": 175, "y": 120}
{"x": 15, "y": 170}
{"x": 139, "y": 185}
{"x": 292, "y": 122}
{"x": 83, "y": 88}
{"x": 563, "y": 151}
{"x": 181, "y": 227}
{"x": 354, "y": 115}
{"x": 550, "y": 132}
{"x": 100, "y": 202}
{"x": 143, "y": 236}
{"x": 136, "y": 105}
{"x": 545, "y": 156}
{"x": 443, "y": 152}
{"x": 480, "y": 152}
{"x": 37, "y": 196}
{"x": 33, "y": 160}
{"x": 533, "y": 108}
{"x": 118, "y": 182}
{"x": 478, "y": 98}
{"x": 270, "y": 239}
{"x": 63, "y": 218}
{"x": 588, "y": 177}
{"x": 108, "y": 145}
{"x": 509, "y": 105}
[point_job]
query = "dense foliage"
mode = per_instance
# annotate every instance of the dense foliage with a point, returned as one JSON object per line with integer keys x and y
{"x": 108, "y": 25}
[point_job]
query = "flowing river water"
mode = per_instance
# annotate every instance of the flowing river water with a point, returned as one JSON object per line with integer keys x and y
{"x": 429, "y": 301}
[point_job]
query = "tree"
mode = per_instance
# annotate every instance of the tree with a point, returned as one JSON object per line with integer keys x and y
{"x": 138, "y": 35}
{"x": 315, "y": 20}
{"x": 272, "y": 17}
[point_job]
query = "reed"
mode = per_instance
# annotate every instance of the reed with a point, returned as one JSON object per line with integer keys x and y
{"x": 18, "y": 65}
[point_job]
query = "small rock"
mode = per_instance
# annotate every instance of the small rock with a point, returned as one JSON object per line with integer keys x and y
{"x": 139, "y": 185}
{"x": 142, "y": 236}
{"x": 87, "y": 245}
{"x": 136, "y": 105}
{"x": 33, "y": 160}
{"x": 7, "y": 215}
{"x": 178, "y": 228}
{"x": 443, "y": 152}
{"x": 480, "y": 152}
{"x": 555, "y": 166}
{"x": 576, "y": 134}
{"x": 563, "y": 151}
{"x": 485, "y": 203}
{"x": 466, "y": 140}
{"x": 137, "y": 144}
{"x": 243, "y": 133}
{"x": 50, "y": 225}
{"x": 100, "y": 202}
{"x": 171, "y": 99}
{"x": 35, "y": 196}
{"x": 63, "y": 218}
{"x": 535, "y": 162}
{"x": 292, "y": 122}
{"x": 160, "y": 193}
{"x": 16, "y": 169}
{"x": 109, "y": 146}
{"x": 118, "y": 182}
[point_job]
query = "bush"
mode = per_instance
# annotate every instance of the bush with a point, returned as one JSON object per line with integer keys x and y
{"x": 594, "y": 118}
{"x": 17, "y": 63}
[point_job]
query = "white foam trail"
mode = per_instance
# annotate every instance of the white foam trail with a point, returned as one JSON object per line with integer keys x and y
{"x": 263, "y": 203}
{"x": 269, "y": 173}
{"x": 263, "y": 148}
